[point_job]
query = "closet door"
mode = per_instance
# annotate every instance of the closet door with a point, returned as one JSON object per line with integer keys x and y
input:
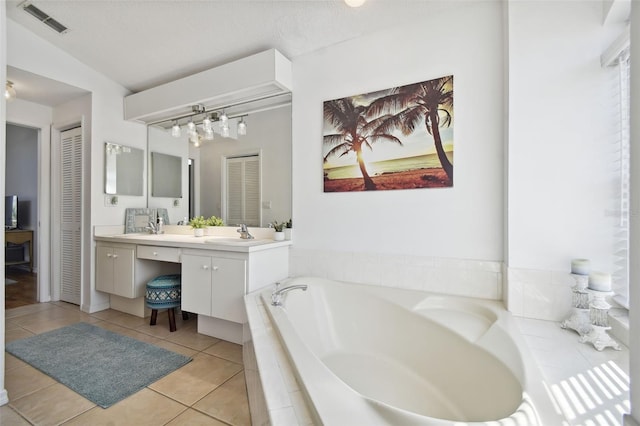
{"x": 243, "y": 190}
{"x": 70, "y": 214}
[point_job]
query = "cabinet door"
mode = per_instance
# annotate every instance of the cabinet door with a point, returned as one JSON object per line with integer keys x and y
{"x": 123, "y": 273}
{"x": 196, "y": 284}
{"x": 104, "y": 269}
{"x": 229, "y": 281}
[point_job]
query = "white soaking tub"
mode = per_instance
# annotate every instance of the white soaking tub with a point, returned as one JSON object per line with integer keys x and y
{"x": 368, "y": 355}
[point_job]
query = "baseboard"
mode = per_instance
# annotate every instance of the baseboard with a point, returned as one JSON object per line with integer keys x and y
{"x": 4, "y": 397}
{"x": 90, "y": 309}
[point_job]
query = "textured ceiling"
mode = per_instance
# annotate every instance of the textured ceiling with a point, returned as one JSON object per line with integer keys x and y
{"x": 141, "y": 44}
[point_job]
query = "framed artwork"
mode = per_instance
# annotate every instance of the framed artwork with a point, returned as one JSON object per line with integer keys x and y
{"x": 398, "y": 138}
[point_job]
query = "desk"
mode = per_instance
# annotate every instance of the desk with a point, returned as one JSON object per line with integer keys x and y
{"x": 20, "y": 236}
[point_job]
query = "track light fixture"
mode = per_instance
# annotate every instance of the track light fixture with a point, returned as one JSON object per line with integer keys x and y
{"x": 200, "y": 125}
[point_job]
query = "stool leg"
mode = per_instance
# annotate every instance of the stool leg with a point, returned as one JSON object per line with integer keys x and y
{"x": 172, "y": 319}
{"x": 154, "y": 317}
{"x": 185, "y": 315}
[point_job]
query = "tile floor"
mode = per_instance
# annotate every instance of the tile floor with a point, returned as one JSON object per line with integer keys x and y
{"x": 210, "y": 390}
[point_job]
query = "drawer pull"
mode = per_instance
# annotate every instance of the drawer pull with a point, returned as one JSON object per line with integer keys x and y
{"x": 205, "y": 267}
{"x": 115, "y": 256}
{"x": 155, "y": 253}
{"x": 215, "y": 268}
{"x": 109, "y": 255}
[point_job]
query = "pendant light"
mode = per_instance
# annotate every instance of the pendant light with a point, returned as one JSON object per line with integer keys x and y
{"x": 175, "y": 130}
{"x": 9, "y": 91}
{"x": 242, "y": 127}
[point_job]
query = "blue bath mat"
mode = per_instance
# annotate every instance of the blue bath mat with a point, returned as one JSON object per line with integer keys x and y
{"x": 100, "y": 365}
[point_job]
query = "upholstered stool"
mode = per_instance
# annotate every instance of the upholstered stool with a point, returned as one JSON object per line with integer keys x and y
{"x": 163, "y": 292}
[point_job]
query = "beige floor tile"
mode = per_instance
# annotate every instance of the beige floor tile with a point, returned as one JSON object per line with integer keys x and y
{"x": 107, "y": 314}
{"x": 228, "y": 402}
{"x": 53, "y": 313}
{"x": 141, "y": 409}
{"x": 111, "y": 327}
{"x": 140, "y": 336}
{"x": 10, "y": 325}
{"x": 8, "y": 417}
{"x": 196, "y": 379}
{"x": 183, "y": 350}
{"x": 128, "y": 321}
{"x": 25, "y": 380}
{"x": 52, "y": 405}
{"x": 11, "y": 362}
{"x": 227, "y": 350}
{"x": 16, "y": 334}
{"x": 42, "y": 326}
{"x": 194, "y": 418}
{"x": 192, "y": 339}
{"x": 26, "y": 310}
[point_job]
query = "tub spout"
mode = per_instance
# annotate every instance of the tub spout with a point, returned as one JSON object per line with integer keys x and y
{"x": 276, "y": 296}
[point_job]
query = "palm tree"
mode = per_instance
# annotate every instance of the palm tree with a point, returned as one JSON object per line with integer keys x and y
{"x": 353, "y": 132}
{"x": 430, "y": 100}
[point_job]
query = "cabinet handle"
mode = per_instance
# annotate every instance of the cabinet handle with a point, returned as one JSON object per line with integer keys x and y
{"x": 115, "y": 256}
{"x": 215, "y": 268}
{"x": 109, "y": 254}
{"x": 205, "y": 267}
{"x": 155, "y": 253}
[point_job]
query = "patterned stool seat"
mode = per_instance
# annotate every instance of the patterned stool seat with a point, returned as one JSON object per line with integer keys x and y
{"x": 163, "y": 292}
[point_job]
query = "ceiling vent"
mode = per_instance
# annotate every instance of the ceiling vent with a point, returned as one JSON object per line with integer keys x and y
{"x": 43, "y": 17}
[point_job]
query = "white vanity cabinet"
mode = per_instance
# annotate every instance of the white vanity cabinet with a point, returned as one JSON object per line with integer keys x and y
{"x": 214, "y": 286}
{"x": 115, "y": 264}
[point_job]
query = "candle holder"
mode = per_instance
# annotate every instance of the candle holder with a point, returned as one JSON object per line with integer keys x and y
{"x": 579, "y": 319}
{"x": 599, "y": 319}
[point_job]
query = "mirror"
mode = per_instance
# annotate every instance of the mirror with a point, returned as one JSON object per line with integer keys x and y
{"x": 205, "y": 187}
{"x": 123, "y": 169}
{"x": 166, "y": 175}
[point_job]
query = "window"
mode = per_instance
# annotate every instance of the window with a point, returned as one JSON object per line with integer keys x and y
{"x": 617, "y": 58}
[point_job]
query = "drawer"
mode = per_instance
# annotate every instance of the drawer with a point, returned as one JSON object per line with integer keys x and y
{"x": 164, "y": 254}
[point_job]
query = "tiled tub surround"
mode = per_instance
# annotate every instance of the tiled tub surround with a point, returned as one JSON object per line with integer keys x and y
{"x": 471, "y": 278}
{"x": 485, "y": 328}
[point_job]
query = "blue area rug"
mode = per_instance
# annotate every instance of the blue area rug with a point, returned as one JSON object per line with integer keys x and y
{"x": 100, "y": 365}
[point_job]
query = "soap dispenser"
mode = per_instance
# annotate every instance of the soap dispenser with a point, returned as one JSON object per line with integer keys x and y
{"x": 160, "y": 225}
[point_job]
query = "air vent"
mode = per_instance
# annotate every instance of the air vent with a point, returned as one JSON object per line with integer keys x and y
{"x": 43, "y": 17}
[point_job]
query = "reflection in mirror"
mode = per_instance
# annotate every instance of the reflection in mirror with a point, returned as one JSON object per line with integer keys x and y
{"x": 268, "y": 135}
{"x": 124, "y": 167}
{"x": 166, "y": 175}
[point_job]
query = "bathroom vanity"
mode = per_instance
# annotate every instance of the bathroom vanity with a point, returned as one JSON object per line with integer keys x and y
{"x": 217, "y": 272}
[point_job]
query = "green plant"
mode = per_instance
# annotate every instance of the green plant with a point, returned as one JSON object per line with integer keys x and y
{"x": 277, "y": 226}
{"x": 198, "y": 222}
{"x": 215, "y": 221}
{"x": 288, "y": 224}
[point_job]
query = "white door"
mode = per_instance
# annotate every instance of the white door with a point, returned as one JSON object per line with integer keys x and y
{"x": 243, "y": 191}
{"x": 70, "y": 214}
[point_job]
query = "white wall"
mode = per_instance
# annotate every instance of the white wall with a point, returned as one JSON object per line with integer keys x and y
{"x": 561, "y": 158}
{"x": 462, "y": 222}
{"x": 28, "y": 52}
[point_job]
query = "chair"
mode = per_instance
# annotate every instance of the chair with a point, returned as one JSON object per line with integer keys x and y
{"x": 163, "y": 292}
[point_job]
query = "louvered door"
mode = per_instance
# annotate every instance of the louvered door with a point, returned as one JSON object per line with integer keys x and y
{"x": 243, "y": 190}
{"x": 70, "y": 214}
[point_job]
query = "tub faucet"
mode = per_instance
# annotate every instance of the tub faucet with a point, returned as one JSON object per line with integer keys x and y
{"x": 276, "y": 296}
{"x": 244, "y": 232}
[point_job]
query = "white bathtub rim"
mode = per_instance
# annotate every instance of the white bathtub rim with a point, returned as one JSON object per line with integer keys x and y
{"x": 330, "y": 413}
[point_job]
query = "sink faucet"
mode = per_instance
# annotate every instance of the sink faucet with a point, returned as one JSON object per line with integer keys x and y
{"x": 276, "y": 296}
{"x": 244, "y": 232}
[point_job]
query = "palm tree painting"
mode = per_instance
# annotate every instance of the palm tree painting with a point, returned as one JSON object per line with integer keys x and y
{"x": 399, "y": 138}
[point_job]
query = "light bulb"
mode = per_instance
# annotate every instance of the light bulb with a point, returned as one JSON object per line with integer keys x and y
{"x": 9, "y": 91}
{"x": 224, "y": 120}
{"x": 206, "y": 124}
{"x": 191, "y": 125}
{"x": 175, "y": 130}
{"x": 208, "y": 134}
{"x": 354, "y": 3}
{"x": 225, "y": 132}
{"x": 242, "y": 127}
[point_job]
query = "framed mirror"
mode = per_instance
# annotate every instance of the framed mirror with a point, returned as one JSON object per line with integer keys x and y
{"x": 124, "y": 167}
{"x": 206, "y": 176}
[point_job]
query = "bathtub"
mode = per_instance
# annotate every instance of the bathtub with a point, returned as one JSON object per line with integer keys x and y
{"x": 368, "y": 355}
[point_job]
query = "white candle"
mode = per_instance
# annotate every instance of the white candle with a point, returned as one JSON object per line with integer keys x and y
{"x": 599, "y": 281}
{"x": 580, "y": 266}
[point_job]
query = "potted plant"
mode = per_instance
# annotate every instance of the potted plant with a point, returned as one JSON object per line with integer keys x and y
{"x": 212, "y": 222}
{"x": 288, "y": 229}
{"x": 198, "y": 224}
{"x": 278, "y": 235}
